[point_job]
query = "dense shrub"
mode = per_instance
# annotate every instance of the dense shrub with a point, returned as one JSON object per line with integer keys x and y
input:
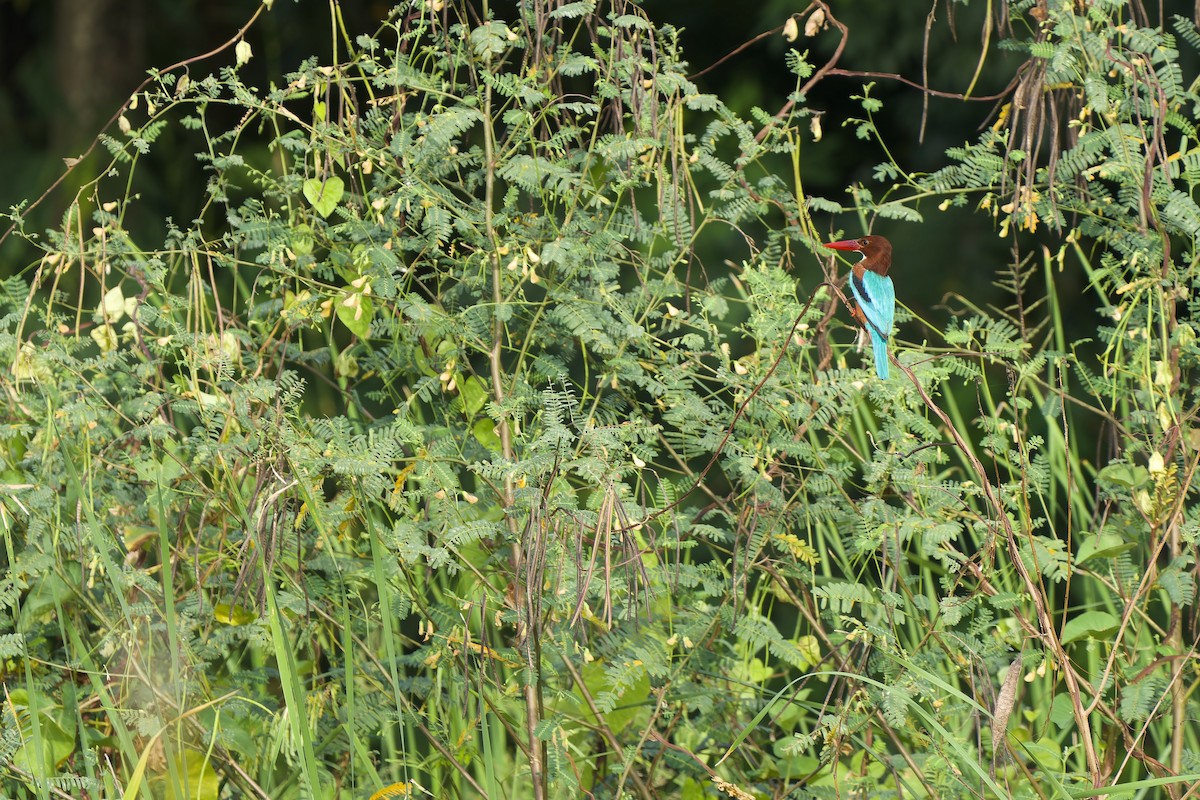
{"x": 495, "y": 427}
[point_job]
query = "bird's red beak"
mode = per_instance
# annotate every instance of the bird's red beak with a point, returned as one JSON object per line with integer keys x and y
{"x": 845, "y": 244}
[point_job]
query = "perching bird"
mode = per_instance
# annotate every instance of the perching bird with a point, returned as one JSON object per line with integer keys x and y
{"x": 874, "y": 292}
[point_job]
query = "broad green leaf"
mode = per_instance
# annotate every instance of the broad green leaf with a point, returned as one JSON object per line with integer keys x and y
{"x": 1047, "y": 753}
{"x": 198, "y": 777}
{"x": 628, "y": 703}
{"x": 46, "y": 596}
{"x": 1102, "y": 545}
{"x": 324, "y": 195}
{"x": 474, "y": 393}
{"x": 1061, "y": 712}
{"x": 1128, "y": 475}
{"x": 810, "y": 648}
{"x": 1089, "y": 625}
{"x": 355, "y": 310}
{"x": 233, "y": 614}
{"x": 56, "y": 744}
{"x": 755, "y": 671}
{"x": 484, "y": 431}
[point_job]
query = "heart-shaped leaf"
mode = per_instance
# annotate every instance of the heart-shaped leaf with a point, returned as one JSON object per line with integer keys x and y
{"x": 324, "y": 195}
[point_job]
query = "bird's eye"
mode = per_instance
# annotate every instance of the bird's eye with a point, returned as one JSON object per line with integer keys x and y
{"x": 863, "y": 242}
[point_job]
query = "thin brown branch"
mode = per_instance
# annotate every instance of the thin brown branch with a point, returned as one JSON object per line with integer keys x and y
{"x": 739, "y": 49}
{"x": 891, "y": 76}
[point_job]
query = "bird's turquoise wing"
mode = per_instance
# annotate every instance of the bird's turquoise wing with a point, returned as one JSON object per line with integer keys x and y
{"x": 876, "y": 296}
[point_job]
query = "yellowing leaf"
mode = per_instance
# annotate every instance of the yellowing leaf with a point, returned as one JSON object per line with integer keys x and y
{"x": 112, "y": 307}
{"x": 243, "y": 52}
{"x": 105, "y": 337}
{"x": 815, "y": 23}
{"x": 232, "y": 614}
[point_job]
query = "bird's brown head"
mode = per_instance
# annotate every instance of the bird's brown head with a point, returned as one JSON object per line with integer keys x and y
{"x": 876, "y": 250}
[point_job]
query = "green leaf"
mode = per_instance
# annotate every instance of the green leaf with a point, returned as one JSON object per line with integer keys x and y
{"x": 355, "y": 311}
{"x": 755, "y": 671}
{"x": 1046, "y": 752}
{"x": 1061, "y": 713}
{"x": 1089, "y": 625}
{"x": 484, "y": 432}
{"x": 324, "y": 195}
{"x": 55, "y": 741}
{"x": 628, "y": 699}
{"x": 1102, "y": 545}
{"x": 1127, "y": 475}
{"x": 233, "y": 614}
{"x": 810, "y": 648}
{"x": 46, "y": 596}
{"x": 198, "y": 777}
{"x": 474, "y": 393}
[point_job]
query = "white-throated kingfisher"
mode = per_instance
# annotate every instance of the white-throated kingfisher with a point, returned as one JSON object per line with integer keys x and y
{"x": 874, "y": 292}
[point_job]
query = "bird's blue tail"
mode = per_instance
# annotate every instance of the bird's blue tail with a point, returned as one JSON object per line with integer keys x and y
{"x": 879, "y": 346}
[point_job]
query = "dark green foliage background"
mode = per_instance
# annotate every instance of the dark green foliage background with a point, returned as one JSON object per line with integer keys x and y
{"x": 489, "y": 421}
